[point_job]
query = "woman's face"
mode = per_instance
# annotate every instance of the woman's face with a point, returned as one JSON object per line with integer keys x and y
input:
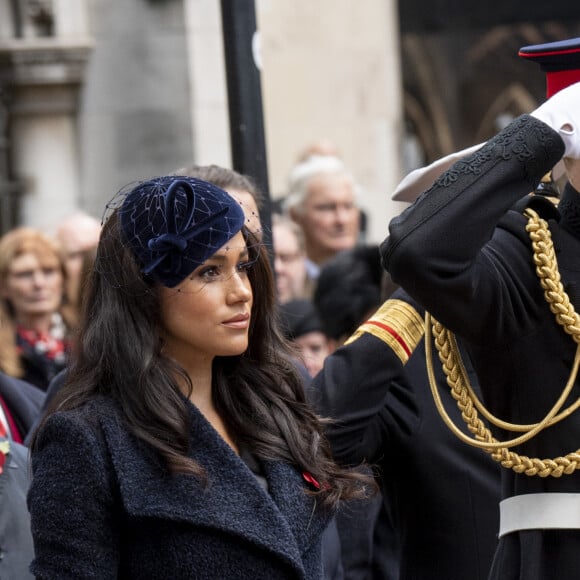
{"x": 33, "y": 286}
{"x": 208, "y": 314}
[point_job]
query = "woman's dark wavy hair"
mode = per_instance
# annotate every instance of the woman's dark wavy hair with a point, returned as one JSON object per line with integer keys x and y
{"x": 259, "y": 394}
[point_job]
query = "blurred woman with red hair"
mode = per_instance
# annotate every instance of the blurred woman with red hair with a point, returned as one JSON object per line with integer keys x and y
{"x": 34, "y": 321}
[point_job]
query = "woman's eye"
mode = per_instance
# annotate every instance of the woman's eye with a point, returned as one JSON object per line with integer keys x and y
{"x": 209, "y": 272}
{"x": 245, "y": 266}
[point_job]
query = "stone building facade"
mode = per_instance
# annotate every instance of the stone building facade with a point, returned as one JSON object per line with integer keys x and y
{"x": 95, "y": 94}
{"x": 99, "y": 93}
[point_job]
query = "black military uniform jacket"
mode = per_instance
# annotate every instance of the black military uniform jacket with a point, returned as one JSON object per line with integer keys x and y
{"x": 440, "y": 494}
{"x": 479, "y": 280}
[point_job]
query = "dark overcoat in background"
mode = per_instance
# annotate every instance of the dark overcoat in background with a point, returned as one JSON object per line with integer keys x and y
{"x": 24, "y": 401}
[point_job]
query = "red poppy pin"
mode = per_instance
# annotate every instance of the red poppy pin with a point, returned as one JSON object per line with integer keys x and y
{"x": 310, "y": 479}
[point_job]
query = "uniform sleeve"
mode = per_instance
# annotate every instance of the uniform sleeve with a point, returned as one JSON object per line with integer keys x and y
{"x": 354, "y": 383}
{"x": 71, "y": 502}
{"x": 445, "y": 249}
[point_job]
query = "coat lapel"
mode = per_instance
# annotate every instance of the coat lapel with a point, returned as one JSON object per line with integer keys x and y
{"x": 283, "y": 521}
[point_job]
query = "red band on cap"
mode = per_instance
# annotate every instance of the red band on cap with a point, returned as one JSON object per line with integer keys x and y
{"x": 556, "y": 81}
{"x": 549, "y": 53}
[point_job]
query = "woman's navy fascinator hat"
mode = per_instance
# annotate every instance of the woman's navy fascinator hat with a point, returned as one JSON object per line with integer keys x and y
{"x": 175, "y": 223}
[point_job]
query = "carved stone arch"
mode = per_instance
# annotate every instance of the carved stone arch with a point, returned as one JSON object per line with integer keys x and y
{"x": 418, "y": 123}
{"x": 428, "y": 70}
{"x": 513, "y": 101}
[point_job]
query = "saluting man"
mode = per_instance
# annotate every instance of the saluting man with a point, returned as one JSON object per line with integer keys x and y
{"x": 466, "y": 251}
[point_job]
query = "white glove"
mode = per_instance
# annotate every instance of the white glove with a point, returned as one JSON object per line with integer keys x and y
{"x": 562, "y": 113}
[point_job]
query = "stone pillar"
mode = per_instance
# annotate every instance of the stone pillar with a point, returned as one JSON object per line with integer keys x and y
{"x": 209, "y": 104}
{"x": 42, "y": 64}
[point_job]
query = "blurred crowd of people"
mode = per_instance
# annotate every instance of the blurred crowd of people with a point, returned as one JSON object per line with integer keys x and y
{"x": 41, "y": 284}
{"x": 172, "y": 340}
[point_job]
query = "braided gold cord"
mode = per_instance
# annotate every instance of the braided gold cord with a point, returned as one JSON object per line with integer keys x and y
{"x": 547, "y": 270}
{"x": 462, "y": 392}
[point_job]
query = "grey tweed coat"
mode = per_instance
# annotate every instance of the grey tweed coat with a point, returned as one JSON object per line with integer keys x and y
{"x": 103, "y": 506}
